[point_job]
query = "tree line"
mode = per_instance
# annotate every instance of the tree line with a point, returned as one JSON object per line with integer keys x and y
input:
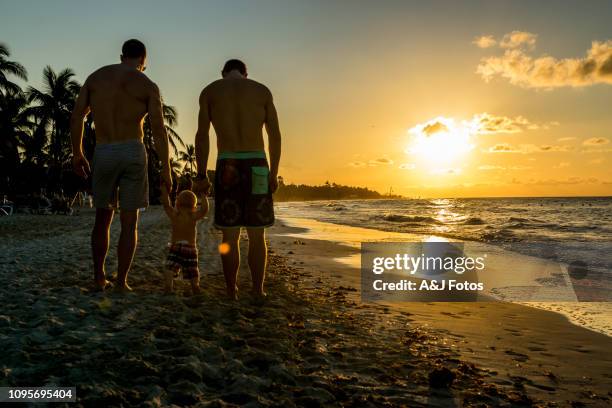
{"x": 35, "y": 147}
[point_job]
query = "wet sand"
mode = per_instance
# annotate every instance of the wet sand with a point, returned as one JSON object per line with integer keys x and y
{"x": 309, "y": 344}
{"x": 517, "y": 346}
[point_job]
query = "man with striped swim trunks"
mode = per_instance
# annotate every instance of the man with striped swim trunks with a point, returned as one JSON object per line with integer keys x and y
{"x": 239, "y": 108}
{"x": 119, "y": 96}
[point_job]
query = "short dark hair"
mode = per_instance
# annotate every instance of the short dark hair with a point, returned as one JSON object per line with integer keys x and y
{"x": 234, "y": 64}
{"x": 133, "y": 49}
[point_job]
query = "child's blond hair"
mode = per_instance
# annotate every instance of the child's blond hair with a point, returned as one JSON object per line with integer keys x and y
{"x": 187, "y": 200}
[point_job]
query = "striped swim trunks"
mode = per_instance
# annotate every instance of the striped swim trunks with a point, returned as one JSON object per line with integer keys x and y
{"x": 183, "y": 257}
{"x": 119, "y": 173}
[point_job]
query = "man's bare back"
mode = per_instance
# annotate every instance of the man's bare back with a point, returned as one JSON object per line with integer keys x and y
{"x": 119, "y": 97}
{"x": 237, "y": 109}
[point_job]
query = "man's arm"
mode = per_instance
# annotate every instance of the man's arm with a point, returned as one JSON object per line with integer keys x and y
{"x": 165, "y": 200}
{"x": 202, "y": 144}
{"x": 203, "y": 210}
{"x": 80, "y": 111}
{"x": 156, "y": 116}
{"x": 274, "y": 141}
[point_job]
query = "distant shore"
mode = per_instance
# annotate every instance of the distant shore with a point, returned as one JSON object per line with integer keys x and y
{"x": 309, "y": 344}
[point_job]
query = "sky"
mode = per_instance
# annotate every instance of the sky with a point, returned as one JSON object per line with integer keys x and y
{"x": 429, "y": 99}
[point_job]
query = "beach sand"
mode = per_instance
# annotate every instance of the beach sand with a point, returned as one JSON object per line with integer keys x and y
{"x": 311, "y": 343}
{"x": 517, "y": 346}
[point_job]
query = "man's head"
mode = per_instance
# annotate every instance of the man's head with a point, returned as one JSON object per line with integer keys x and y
{"x": 134, "y": 53}
{"x": 234, "y": 65}
{"x": 186, "y": 200}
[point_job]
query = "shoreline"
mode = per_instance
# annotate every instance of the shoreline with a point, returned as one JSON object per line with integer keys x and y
{"x": 515, "y": 341}
{"x": 595, "y": 316}
{"x": 308, "y": 344}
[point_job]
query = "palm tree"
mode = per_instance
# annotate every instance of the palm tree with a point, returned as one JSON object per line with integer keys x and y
{"x": 175, "y": 165}
{"x": 15, "y": 128}
{"x": 52, "y": 109}
{"x": 10, "y": 68}
{"x": 188, "y": 157}
{"x": 170, "y": 121}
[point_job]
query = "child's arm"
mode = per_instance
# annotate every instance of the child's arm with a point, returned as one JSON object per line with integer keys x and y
{"x": 203, "y": 210}
{"x": 165, "y": 199}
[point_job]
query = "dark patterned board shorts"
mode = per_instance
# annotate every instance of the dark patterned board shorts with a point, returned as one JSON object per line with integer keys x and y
{"x": 183, "y": 257}
{"x": 242, "y": 193}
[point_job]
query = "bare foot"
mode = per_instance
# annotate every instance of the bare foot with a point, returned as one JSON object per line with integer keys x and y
{"x": 259, "y": 294}
{"x": 233, "y": 294}
{"x": 100, "y": 286}
{"x": 123, "y": 287}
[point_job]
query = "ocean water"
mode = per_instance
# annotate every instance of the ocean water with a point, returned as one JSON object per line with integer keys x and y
{"x": 573, "y": 231}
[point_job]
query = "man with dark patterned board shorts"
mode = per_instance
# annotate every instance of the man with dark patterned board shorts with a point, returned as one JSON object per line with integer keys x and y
{"x": 239, "y": 108}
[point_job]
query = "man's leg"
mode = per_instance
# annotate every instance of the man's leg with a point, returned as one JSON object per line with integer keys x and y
{"x": 99, "y": 244}
{"x": 258, "y": 256}
{"x": 230, "y": 258}
{"x": 127, "y": 245}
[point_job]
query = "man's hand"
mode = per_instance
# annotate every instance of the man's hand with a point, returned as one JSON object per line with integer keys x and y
{"x": 273, "y": 183}
{"x": 81, "y": 165}
{"x": 164, "y": 190}
{"x": 201, "y": 187}
{"x": 166, "y": 177}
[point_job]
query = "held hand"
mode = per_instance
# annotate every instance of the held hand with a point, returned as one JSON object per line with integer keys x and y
{"x": 166, "y": 178}
{"x": 201, "y": 186}
{"x": 273, "y": 183}
{"x": 81, "y": 165}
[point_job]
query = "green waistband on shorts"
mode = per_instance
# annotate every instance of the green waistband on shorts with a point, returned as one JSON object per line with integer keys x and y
{"x": 256, "y": 154}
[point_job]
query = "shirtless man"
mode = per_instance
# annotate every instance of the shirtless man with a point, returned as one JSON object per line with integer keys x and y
{"x": 239, "y": 108}
{"x": 119, "y": 96}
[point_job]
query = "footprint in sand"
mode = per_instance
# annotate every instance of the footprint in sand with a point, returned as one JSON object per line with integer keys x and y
{"x": 517, "y": 356}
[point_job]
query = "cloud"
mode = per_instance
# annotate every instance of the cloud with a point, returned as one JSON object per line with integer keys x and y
{"x": 596, "y": 141}
{"x": 562, "y": 165}
{"x": 480, "y": 123}
{"x": 485, "y": 41}
{"x": 451, "y": 172}
{"x": 566, "y": 139}
{"x": 486, "y": 123}
{"x": 545, "y": 71}
{"x": 526, "y": 148}
{"x": 434, "y": 127}
{"x": 517, "y": 39}
{"x": 407, "y": 166}
{"x": 380, "y": 161}
{"x": 488, "y": 167}
{"x": 503, "y": 148}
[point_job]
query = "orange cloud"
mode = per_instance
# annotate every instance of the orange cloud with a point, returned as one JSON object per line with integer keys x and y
{"x": 485, "y": 41}
{"x": 596, "y": 141}
{"x": 517, "y": 39}
{"x": 521, "y": 69}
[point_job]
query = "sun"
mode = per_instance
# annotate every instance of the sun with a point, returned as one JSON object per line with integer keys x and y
{"x": 439, "y": 141}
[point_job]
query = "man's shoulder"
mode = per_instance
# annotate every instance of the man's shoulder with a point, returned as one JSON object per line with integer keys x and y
{"x": 212, "y": 86}
{"x": 112, "y": 71}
